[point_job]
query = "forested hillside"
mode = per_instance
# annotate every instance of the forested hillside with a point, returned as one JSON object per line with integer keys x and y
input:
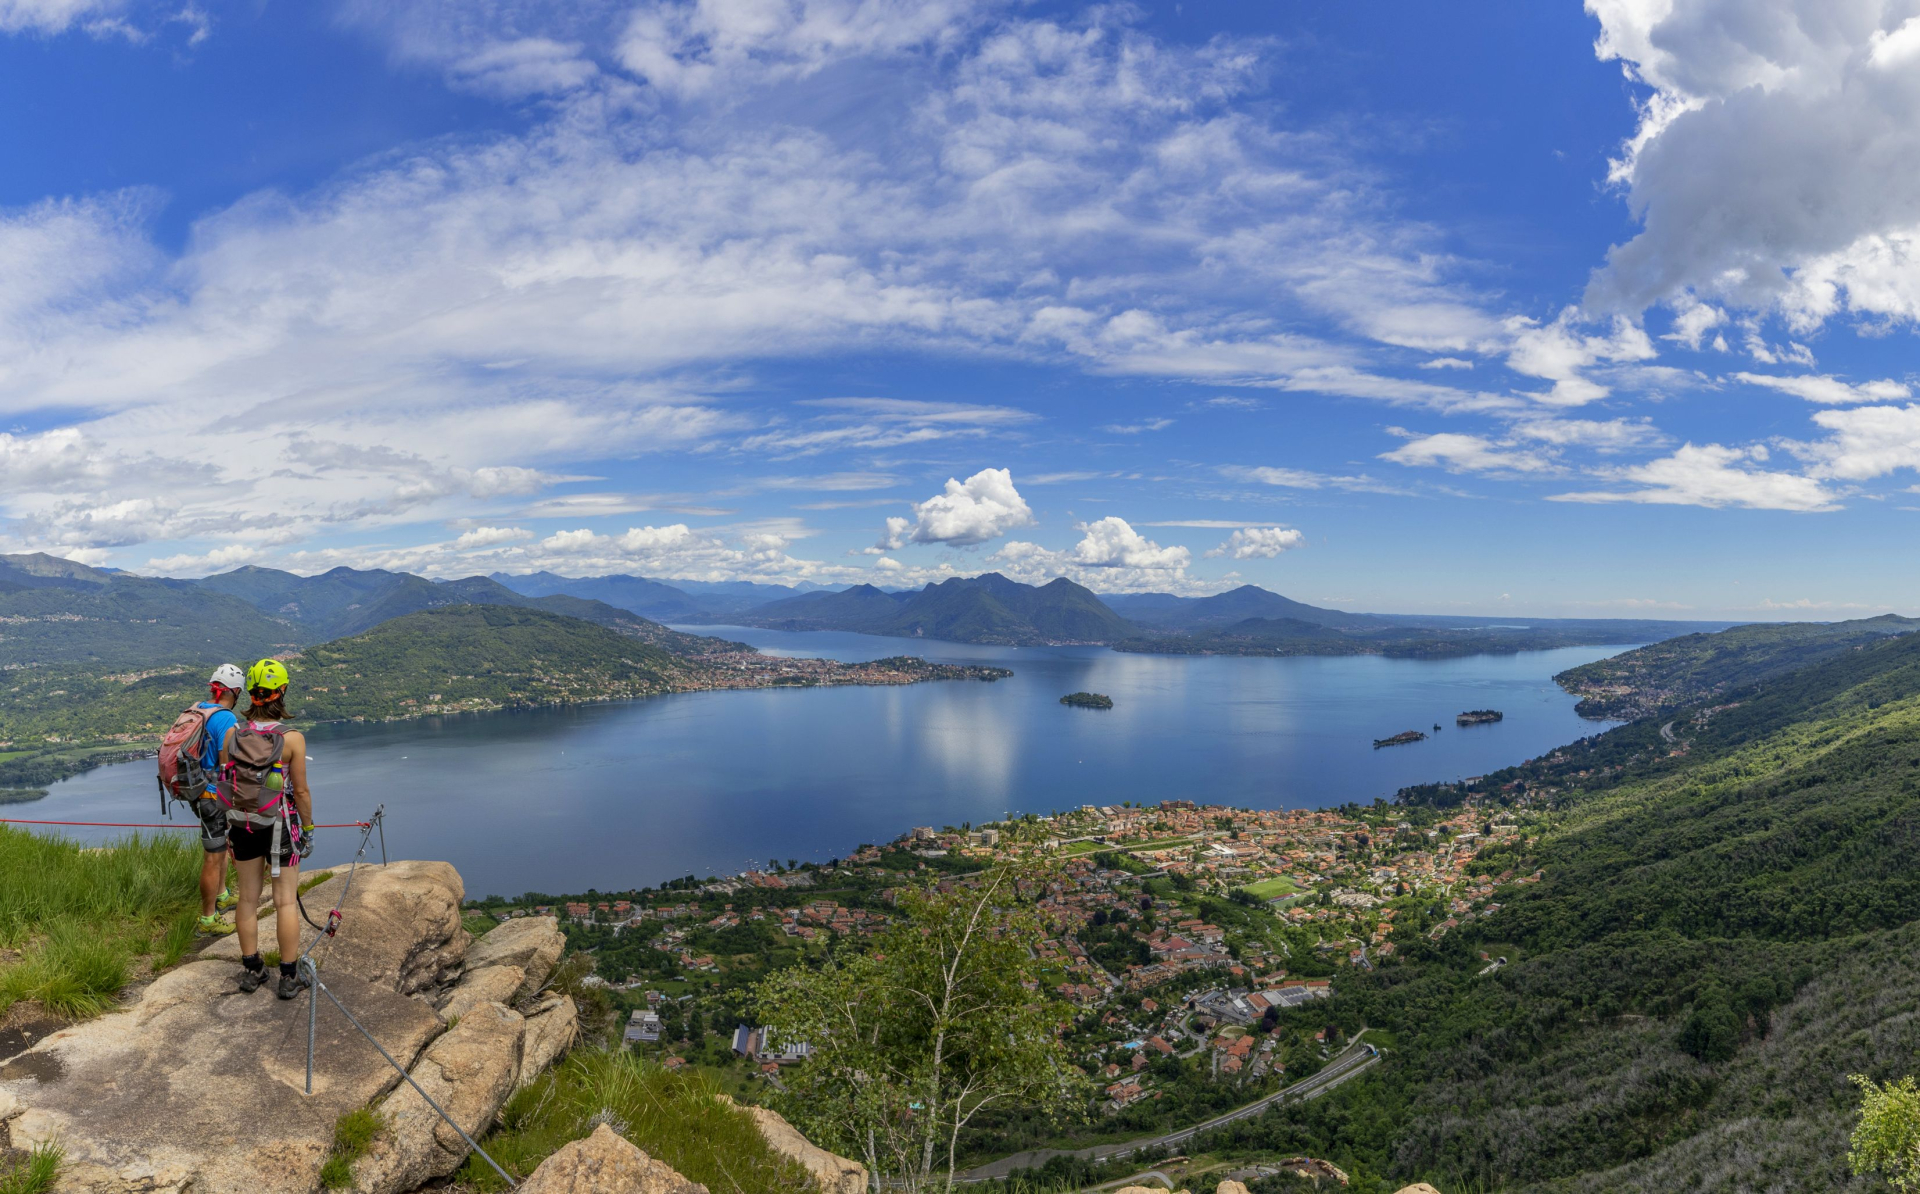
{"x": 54, "y": 611}
{"x": 1694, "y": 667}
{"x": 1725, "y": 928}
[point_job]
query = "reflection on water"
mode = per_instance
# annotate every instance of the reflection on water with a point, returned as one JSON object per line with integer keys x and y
{"x": 615, "y": 796}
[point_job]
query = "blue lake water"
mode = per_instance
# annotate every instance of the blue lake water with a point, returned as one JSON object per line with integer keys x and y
{"x": 624, "y": 795}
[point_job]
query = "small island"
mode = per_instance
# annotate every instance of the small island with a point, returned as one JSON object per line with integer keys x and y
{"x": 1477, "y": 717}
{"x": 1088, "y": 700}
{"x": 1400, "y": 739}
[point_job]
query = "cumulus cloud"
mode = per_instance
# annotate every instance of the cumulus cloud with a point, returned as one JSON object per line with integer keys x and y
{"x": 1820, "y": 388}
{"x": 1110, "y": 556}
{"x": 1258, "y": 543}
{"x": 1561, "y": 352}
{"x": 1714, "y": 476}
{"x": 1776, "y": 165}
{"x": 984, "y": 506}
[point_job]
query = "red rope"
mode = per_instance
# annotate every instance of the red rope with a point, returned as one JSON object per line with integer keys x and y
{"x": 141, "y": 825}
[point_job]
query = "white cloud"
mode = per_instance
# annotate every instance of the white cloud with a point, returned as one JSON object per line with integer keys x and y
{"x": 54, "y": 16}
{"x": 480, "y": 537}
{"x": 1447, "y": 363}
{"x": 1295, "y": 478}
{"x": 1111, "y": 543}
{"x": 1561, "y": 353}
{"x": 1137, "y": 428}
{"x": 1777, "y": 162}
{"x": 984, "y": 506}
{"x": 1819, "y": 388}
{"x": 1605, "y": 436}
{"x": 1459, "y": 453}
{"x": 1713, "y": 476}
{"x": 1258, "y": 543}
{"x": 1867, "y": 441}
{"x": 1111, "y": 556}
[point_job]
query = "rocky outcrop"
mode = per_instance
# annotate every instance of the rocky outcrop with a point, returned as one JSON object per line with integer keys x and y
{"x": 552, "y": 1027}
{"x": 489, "y": 984}
{"x": 605, "y": 1163}
{"x": 469, "y": 1071}
{"x": 833, "y": 1174}
{"x": 400, "y": 926}
{"x": 1417, "y": 1188}
{"x": 178, "y": 1092}
{"x": 533, "y": 943}
{"x": 198, "y": 1088}
{"x": 1231, "y": 1188}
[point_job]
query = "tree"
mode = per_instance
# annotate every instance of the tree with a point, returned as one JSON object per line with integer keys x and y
{"x": 1887, "y": 1138}
{"x": 940, "y": 1021}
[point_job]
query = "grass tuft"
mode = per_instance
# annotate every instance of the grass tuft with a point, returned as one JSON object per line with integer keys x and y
{"x": 680, "y": 1119}
{"x": 353, "y": 1134}
{"x": 81, "y": 917}
{"x": 34, "y": 1173}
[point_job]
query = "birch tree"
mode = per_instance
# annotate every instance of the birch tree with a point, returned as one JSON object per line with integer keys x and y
{"x": 941, "y": 1019}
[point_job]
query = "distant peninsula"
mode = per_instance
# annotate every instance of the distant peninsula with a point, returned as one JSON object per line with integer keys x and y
{"x": 1088, "y": 700}
{"x": 1479, "y": 717}
{"x": 1400, "y": 739}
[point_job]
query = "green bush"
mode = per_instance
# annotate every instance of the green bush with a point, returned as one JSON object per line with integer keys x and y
{"x": 352, "y": 1134}
{"x": 32, "y": 1173}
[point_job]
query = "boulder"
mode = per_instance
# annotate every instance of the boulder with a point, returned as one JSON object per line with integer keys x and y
{"x": 1417, "y": 1188}
{"x": 1231, "y": 1187}
{"x": 605, "y": 1163}
{"x": 833, "y": 1174}
{"x": 469, "y": 1071}
{"x": 199, "y": 1087}
{"x": 488, "y": 984}
{"x": 533, "y": 943}
{"x": 551, "y": 1030}
{"x": 400, "y": 926}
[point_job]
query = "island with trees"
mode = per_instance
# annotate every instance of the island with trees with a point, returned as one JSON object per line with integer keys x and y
{"x": 1403, "y": 738}
{"x": 1478, "y": 717}
{"x": 1088, "y": 700}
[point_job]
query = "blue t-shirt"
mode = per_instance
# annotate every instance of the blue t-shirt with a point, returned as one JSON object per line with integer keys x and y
{"x": 219, "y": 722}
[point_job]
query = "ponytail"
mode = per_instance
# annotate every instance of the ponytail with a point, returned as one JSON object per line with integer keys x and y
{"x": 265, "y": 707}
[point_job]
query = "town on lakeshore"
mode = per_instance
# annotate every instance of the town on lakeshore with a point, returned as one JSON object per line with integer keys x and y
{"x": 1198, "y": 945}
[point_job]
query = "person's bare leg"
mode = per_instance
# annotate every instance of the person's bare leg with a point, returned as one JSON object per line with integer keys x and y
{"x": 213, "y": 876}
{"x": 246, "y": 917}
{"x": 286, "y": 910}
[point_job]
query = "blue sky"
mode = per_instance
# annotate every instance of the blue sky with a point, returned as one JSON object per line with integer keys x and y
{"x": 1409, "y": 307}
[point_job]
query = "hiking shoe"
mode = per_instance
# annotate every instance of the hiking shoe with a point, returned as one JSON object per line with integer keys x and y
{"x": 225, "y": 901}
{"x": 214, "y": 926}
{"x": 292, "y": 984}
{"x": 251, "y": 980}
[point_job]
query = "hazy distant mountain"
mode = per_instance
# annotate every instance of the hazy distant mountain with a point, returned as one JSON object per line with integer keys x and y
{"x": 1165, "y": 611}
{"x": 661, "y": 600}
{"x": 978, "y": 609}
{"x": 349, "y": 601}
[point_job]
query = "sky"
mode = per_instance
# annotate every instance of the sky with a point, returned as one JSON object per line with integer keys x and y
{"x": 1532, "y": 309}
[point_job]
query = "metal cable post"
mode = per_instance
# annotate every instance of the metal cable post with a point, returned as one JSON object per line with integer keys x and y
{"x": 380, "y": 819}
{"x": 313, "y": 1009}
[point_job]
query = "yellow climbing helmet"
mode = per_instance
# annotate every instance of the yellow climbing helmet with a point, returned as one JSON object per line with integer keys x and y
{"x": 269, "y": 675}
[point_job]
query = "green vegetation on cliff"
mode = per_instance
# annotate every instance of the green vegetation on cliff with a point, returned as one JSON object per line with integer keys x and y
{"x": 1726, "y": 929}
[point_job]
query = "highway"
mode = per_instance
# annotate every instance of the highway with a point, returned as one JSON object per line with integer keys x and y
{"x": 1352, "y": 1060}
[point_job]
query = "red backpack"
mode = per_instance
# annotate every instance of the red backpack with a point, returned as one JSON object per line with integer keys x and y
{"x": 182, "y": 775}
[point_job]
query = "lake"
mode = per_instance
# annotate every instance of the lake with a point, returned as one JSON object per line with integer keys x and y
{"x": 624, "y": 795}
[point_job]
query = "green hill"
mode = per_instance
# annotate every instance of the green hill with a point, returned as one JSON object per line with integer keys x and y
{"x": 474, "y": 657}
{"x": 1725, "y": 929}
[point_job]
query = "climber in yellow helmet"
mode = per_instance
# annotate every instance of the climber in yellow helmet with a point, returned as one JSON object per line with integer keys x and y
{"x": 263, "y": 781}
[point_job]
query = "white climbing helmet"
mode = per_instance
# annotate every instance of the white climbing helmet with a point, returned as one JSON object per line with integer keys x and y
{"x": 228, "y": 676}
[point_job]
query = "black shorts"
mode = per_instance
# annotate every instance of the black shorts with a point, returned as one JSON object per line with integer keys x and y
{"x": 213, "y": 824}
{"x": 256, "y": 841}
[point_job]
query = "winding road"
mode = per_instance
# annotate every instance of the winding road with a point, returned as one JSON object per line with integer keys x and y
{"x": 1350, "y": 1061}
